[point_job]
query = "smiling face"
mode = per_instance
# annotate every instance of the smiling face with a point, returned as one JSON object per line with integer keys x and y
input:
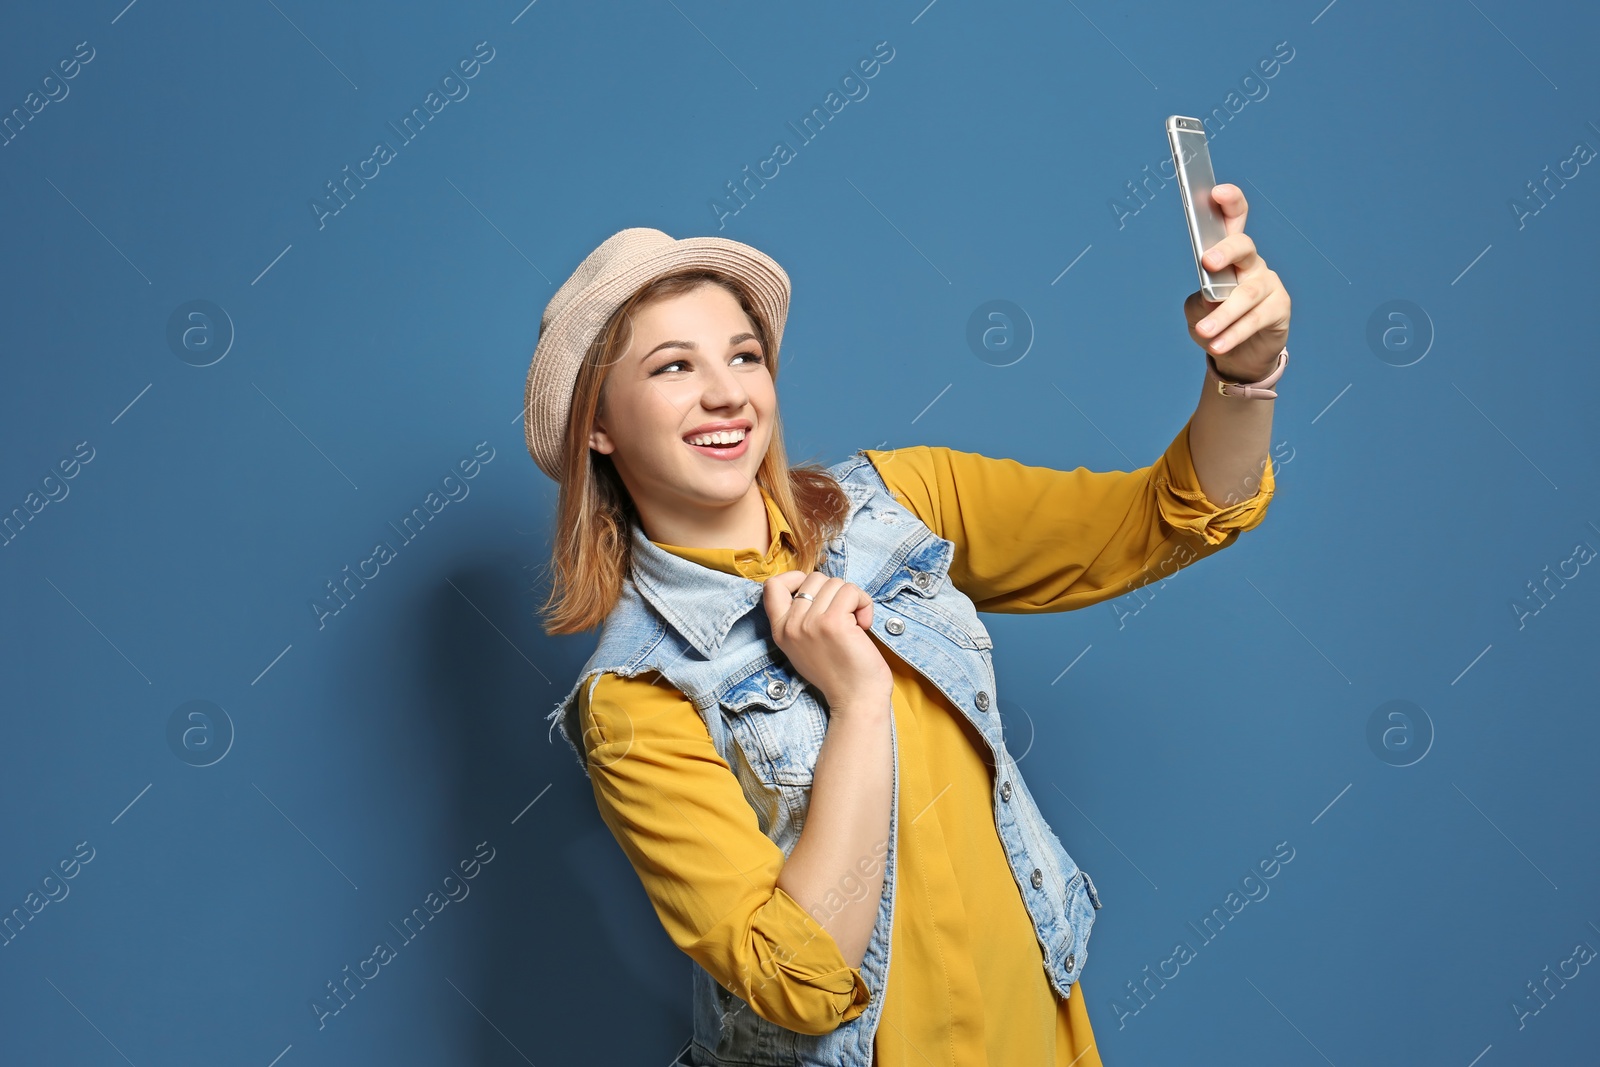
{"x": 693, "y": 366}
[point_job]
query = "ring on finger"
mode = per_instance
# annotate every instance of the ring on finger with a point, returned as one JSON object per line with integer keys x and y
{"x": 806, "y": 596}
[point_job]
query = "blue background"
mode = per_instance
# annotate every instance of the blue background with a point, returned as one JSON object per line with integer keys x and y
{"x": 1201, "y": 723}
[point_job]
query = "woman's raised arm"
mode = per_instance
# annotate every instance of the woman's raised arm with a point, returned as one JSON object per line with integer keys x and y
{"x": 1035, "y": 539}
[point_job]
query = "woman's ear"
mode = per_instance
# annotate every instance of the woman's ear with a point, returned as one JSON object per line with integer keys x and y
{"x": 599, "y": 440}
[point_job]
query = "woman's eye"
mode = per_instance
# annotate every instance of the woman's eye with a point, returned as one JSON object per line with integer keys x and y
{"x": 679, "y": 363}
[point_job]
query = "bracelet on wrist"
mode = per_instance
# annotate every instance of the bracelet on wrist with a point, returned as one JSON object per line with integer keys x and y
{"x": 1259, "y": 390}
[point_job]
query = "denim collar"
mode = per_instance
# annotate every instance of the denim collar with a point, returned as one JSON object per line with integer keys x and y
{"x": 699, "y": 602}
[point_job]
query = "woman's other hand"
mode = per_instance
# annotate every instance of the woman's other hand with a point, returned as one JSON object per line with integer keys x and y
{"x": 826, "y": 638}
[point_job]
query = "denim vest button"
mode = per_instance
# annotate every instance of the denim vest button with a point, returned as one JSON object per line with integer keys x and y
{"x": 1005, "y": 792}
{"x": 982, "y": 700}
{"x": 919, "y": 579}
{"x": 895, "y": 626}
{"x": 1038, "y": 878}
{"x": 777, "y": 689}
{"x": 1072, "y": 957}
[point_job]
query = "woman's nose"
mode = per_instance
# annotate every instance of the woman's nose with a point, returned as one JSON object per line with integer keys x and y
{"x": 723, "y": 389}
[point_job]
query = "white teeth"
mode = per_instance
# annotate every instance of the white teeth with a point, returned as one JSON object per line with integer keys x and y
{"x": 724, "y": 437}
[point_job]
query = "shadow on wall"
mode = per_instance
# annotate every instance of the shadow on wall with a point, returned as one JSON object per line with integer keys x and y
{"x": 566, "y": 935}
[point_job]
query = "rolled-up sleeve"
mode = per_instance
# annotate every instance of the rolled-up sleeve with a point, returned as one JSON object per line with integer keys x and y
{"x": 674, "y": 805}
{"x": 1036, "y": 539}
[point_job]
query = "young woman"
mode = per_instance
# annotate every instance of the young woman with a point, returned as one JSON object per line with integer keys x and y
{"x": 816, "y": 793}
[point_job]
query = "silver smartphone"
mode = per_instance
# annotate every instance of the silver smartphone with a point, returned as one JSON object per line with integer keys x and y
{"x": 1191, "y": 158}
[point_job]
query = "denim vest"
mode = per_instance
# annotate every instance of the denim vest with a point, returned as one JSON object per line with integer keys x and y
{"x": 707, "y": 633}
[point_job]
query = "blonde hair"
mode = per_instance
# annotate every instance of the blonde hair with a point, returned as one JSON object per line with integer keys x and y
{"x": 591, "y": 551}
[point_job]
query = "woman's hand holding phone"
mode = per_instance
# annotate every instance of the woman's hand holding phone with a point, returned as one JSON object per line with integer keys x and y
{"x": 1245, "y": 332}
{"x": 826, "y": 639}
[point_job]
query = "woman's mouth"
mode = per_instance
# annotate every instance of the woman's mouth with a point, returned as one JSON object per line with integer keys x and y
{"x": 724, "y": 444}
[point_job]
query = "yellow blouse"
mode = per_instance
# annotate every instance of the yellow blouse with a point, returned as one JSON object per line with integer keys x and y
{"x": 967, "y": 984}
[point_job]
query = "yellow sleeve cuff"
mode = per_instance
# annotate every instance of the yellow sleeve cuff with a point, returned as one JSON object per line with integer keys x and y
{"x": 1184, "y": 505}
{"x": 788, "y": 968}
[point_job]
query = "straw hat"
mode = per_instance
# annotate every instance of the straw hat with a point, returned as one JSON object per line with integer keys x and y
{"x": 607, "y": 277}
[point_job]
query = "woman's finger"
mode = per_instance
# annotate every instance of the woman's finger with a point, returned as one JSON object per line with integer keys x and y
{"x": 849, "y": 599}
{"x": 828, "y": 595}
{"x": 1246, "y": 295}
{"x": 1235, "y": 209}
{"x": 777, "y": 595}
{"x": 789, "y": 581}
{"x": 1252, "y": 322}
{"x": 1236, "y": 248}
